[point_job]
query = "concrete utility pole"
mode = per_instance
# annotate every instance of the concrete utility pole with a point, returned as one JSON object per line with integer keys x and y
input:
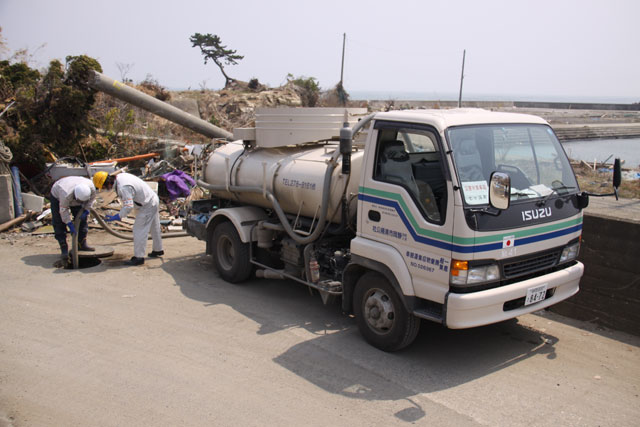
{"x": 344, "y": 42}
{"x": 128, "y": 94}
{"x": 464, "y": 52}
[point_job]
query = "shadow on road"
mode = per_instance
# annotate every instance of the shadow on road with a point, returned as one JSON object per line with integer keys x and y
{"x": 339, "y": 361}
{"x": 273, "y": 304}
{"x": 439, "y": 359}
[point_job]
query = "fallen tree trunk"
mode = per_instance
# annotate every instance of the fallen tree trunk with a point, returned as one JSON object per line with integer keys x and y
{"x": 14, "y": 222}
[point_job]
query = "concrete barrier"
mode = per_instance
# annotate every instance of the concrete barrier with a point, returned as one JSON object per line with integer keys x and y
{"x": 610, "y": 288}
{"x": 577, "y": 106}
{"x": 599, "y": 131}
{"x": 380, "y": 104}
{"x": 6, "y": 198}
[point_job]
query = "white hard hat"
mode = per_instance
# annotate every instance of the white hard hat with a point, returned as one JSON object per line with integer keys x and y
{"x": 82, "y": 192}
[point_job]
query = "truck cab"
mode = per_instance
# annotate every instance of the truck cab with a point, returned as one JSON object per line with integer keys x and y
{"x": 474, "y": 218}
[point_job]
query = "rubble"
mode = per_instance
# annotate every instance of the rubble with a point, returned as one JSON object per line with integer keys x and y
{"x": 171, "y": 179}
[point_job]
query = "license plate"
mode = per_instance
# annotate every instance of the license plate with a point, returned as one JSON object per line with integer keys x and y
{"x": 536, "y": 294}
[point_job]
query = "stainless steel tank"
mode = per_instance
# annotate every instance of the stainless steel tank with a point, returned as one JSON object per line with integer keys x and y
{"x": 294, "y": 175}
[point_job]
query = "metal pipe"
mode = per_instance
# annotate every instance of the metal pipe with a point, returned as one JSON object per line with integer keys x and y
{"x": 464, "y": 53}
{"x": 304, "y": 282}
{"x": 17, "y": 191}
{"x": 361, "y": 123}
{"x": 99, "y": 81}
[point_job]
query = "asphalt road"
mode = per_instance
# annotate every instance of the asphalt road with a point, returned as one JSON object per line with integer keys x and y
{"x": 170, "y": 344}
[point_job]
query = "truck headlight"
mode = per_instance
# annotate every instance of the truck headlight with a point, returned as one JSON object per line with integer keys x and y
{"x": 570, "y": 252}
{"x": 464, "y": 274}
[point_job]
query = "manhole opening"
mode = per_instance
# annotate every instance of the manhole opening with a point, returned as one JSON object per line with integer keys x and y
{"x": 84, "y": 263}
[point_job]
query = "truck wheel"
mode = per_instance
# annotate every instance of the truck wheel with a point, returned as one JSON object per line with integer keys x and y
{"x": 230, "y": 255}
{"x": 382, "y": 318}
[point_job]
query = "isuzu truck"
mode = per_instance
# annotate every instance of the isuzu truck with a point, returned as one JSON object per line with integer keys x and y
{"x": 463, "y": 217}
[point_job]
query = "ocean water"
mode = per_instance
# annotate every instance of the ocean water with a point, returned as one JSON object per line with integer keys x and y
{"x": 600, "y": 149}
{"x": 382, "y": 95}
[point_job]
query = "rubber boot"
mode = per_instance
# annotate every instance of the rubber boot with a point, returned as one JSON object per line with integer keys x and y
{"x": 85, "y": 247}
{"x": 64, "y": 251}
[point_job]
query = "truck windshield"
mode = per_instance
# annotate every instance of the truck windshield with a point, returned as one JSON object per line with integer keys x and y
{"x": 530, "y": 154}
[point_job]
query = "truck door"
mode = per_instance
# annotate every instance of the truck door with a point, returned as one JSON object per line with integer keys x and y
{"x": 405, "y": 201}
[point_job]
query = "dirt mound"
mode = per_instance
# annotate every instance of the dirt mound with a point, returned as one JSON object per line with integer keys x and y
{"x": 235, "y": 106}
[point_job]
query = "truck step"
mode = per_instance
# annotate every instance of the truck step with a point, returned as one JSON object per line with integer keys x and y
{"x": 432, "y": 314}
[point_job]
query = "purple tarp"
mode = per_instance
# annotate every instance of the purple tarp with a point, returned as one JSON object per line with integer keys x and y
{"x": 179, "y": 184}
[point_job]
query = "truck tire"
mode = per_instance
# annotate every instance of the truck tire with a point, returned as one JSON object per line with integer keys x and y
{"x": 382, "y": 318}
{"x": 230, "y": 255}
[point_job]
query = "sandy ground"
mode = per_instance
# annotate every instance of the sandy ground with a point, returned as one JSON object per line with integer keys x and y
{"x": 170, "y": 344}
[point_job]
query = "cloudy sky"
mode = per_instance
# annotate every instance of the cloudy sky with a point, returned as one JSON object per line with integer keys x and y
{"x": 515, "y": 49}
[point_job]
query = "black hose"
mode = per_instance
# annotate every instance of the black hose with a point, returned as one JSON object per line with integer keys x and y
{"x": 124, "y": 236}
{"x": 74, "y": 241}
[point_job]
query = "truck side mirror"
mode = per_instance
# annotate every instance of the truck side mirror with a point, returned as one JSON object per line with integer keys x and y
{"x": 500, "y": 190}
{"x": 617, "y": 180}
{"x": 617, "y": 173}
{"x": 582, "y": 200}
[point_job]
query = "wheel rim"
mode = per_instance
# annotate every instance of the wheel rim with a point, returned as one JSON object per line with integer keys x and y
{"x": 226, "y": 252}
{"x": 378, "y": 311}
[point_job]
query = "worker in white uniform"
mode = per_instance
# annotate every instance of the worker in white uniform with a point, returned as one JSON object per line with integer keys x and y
{"x": 71, "y": 195}
{"x": 135, "y": 193}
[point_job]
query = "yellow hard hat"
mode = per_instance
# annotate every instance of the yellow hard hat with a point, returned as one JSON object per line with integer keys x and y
{"x": 99, "y": 178}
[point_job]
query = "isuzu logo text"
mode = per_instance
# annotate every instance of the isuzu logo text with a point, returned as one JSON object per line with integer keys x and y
{"x": 536, "y": 213}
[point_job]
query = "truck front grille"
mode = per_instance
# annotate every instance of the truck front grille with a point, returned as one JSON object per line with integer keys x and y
{"x": 529, "y": 265}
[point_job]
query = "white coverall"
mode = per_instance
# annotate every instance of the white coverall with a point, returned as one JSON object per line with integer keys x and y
{"x": 134, "y": 192}
{"x": 63, "y": 190}
{"x": 64, "y": 203}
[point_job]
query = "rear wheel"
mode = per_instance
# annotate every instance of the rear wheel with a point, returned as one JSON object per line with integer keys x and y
{"x": 230, "y": 254}
{"x": 382, "y": 318}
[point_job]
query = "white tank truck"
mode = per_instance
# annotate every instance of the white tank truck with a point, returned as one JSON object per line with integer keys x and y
{"x": 463, "y": 217}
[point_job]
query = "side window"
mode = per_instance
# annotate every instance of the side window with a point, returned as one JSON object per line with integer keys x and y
{"x": 420, "y": 142}
{"x": 409, "y": 158}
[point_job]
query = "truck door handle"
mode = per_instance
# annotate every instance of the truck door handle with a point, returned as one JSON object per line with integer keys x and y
{"x": 374, "y": 216}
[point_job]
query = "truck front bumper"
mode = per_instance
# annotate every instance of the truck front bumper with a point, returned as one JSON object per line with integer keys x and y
{"x": 486, "y": 307}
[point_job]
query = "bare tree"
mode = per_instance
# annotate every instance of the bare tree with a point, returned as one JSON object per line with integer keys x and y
{"x": 124, "y": 70}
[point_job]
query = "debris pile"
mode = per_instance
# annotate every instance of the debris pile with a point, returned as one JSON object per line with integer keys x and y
{"x": 168, "y": 173}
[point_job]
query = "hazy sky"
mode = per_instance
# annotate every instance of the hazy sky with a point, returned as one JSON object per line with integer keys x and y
{"x": 562, "y": 48}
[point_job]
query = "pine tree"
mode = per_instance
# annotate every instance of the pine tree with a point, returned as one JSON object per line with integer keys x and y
{"x": 212, "y": 49}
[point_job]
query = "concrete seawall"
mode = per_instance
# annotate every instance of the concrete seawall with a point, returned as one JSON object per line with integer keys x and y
{"x": 610, "y": 288}
{"x": 570, "y": 121}
{"x": 599, "y": 131}
{"x": 375, "y": 104}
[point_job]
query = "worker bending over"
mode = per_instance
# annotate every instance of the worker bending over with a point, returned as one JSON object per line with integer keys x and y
{"x": 134, "y": 192}
{"x": 71, "y": 195}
